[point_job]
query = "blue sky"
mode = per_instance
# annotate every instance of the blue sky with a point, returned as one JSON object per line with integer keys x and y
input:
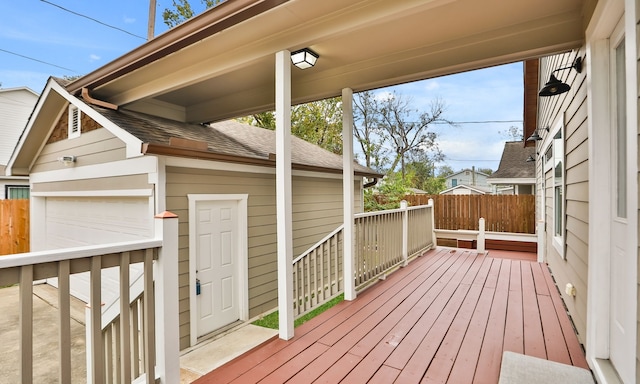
{"x": 67, "y": 44}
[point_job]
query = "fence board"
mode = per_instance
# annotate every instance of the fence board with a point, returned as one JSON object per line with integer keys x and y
{"x": 502, "y": 213}
{"x": 14, "y": 226}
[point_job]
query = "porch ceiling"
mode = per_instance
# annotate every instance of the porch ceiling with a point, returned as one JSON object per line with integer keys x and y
{"x": 364, "y": 44}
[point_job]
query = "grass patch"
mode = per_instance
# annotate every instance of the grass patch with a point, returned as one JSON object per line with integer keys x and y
{"x": 271, "y": 320}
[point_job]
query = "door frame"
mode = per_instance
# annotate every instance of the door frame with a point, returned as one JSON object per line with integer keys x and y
{"x": 243, "y": 261}
{"x": 606, "y": 18}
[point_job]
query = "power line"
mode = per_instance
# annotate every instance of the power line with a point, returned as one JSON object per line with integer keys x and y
{"x": 478, "y": 122}
{"x": 448, "y": 159}
{"x": 39, "y": 61}
{"x": 92, "y": 19}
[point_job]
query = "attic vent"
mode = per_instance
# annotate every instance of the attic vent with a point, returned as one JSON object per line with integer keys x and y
{"x": 74, "y": 121}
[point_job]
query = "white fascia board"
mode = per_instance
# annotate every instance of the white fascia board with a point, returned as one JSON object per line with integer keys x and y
{"x": 132, "y": 143}
{"x": 184, "y": 162}
{"x": 136, "y": 166}
{"x": 512, "y": 181}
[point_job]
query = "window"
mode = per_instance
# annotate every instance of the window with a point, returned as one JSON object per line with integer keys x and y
{"x": 16, "y": 191}
{"x": 454, "y": 182}
{"x": 74, "y": 121}
{"x": 621, "y": 133}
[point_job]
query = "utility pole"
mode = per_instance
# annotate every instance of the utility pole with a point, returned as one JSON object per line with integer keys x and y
{"x": 152, "y": 20}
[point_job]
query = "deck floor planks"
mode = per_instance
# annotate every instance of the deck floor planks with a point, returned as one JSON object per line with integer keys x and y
{"x": 488, "y": 368}
{"x": 533, "y": 337}
{"x": 576, "y": 353}
{"x": 467, "y": 327}
{"x": 353, "y": 332}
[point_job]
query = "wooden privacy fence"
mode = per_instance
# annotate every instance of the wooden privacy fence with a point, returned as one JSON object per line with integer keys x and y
{"x": 502, "y": 213}
{"x": 14, "y": 226}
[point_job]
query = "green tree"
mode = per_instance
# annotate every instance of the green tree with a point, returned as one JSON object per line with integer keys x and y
{"x": 445, "y": 170}
{"x": 488, "y": 171}
{"x": 388, "y": 193}
{"x": 182, "y": 11}
{"x": 513, "y": 133}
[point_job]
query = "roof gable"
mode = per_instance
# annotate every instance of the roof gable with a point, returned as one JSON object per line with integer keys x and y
{"x": 514, "y": 164}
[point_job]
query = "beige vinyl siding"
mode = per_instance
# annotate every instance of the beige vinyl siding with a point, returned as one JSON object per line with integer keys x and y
{"x": 317, "y": 210}
{"x": 637, "y": 51}
{"x": 570, "y": 107}
{"x": 95, "y": 147}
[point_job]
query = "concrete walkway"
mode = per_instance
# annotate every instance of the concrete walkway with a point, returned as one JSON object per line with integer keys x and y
{"x": 45, "y": 336}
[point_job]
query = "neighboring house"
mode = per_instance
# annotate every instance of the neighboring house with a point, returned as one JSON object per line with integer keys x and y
{"x": 99, "y": 175}
{"x": 463, "y": 189}
{"x": 516, "y": 174}
{"x": 467, "y": 177}
{"x": 16, "y": 105}
{"x": 587, "y": 184}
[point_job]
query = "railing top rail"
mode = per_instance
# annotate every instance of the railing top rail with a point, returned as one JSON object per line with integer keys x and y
{"x": 314, "y": 246}
{"x": 389, "y": 211}
{"x": 54, "y": 255}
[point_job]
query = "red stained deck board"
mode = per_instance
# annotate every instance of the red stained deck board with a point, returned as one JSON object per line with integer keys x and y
{"x": 488, "y": 368}
{"x": 492, "y": 277}
{"x": 554, "y": 341}
{"x": 515, "y": 283}
{"x": 538, "y": 278}
{"x": 533, "y": 337}
{"x": 514, "y": 332}
{"x": 337, "y": 371}
{"x": 385, "y": 375}
{"x": 286, "y": 371}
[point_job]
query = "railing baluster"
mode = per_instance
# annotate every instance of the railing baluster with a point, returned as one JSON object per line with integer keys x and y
{"x": 26, "y": 323}
{"x": 135, "y": 339}
{"x": 125, "y": 330}
{"x": 97, "y": 349}
{"x": 108, "y": 353}
{"x": 149, "y": 318}
{"x": 64, "y": 321}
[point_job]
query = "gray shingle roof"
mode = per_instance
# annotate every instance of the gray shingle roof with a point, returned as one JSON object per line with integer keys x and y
{"x": 513, "y": 164}
{"x": 225, "y": 138}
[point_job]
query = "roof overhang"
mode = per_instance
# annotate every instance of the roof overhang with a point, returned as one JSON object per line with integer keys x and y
{"x": 221, "y": 64}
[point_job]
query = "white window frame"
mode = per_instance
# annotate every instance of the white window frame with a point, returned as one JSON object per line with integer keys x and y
{"x": 75, "y": 114}
{"x": 558, "y": 240}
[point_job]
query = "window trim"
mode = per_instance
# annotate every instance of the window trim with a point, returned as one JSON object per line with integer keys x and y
{"x": 8, "y": 187}
{"x": 558, "y": 241}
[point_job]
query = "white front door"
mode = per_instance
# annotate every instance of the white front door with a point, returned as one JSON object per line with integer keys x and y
{"x": 217, "y": 265}
{"x": 622, "y": 319}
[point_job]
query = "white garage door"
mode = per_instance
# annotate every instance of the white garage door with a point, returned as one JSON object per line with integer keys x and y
{"x": 80, "y": 221}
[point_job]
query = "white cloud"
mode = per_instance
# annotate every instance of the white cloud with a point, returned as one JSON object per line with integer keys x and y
{"x": 94, "y": 57}
{"x": 129, "y": 20}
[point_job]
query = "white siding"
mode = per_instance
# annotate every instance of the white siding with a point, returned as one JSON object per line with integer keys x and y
{"x": 16, "y": 105}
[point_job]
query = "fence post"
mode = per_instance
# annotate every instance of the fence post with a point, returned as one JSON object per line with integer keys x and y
{"x": 405, "y": 233}
{"x": 481, "y": 235}
{"x": 434, "y": 239}
{"x": 166, "y": 289}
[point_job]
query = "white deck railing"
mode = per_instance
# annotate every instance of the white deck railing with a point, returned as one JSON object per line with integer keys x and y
{"x": 115, "y": 360}
{"x": 384, "y": 240}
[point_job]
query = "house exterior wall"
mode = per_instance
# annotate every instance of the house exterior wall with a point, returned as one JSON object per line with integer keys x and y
{"x": 568, "y": 257}
{"x": 466, "y": 178}
{"x": 15, "y": 107}
{"x": 317, "y": 210}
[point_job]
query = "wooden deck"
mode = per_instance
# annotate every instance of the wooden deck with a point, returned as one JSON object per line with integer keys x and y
{"x": 447, "y": 317}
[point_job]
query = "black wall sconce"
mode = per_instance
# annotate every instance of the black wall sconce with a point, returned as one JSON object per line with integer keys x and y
{"x": 554, "y": 86}
{"x": 535, "y": 136}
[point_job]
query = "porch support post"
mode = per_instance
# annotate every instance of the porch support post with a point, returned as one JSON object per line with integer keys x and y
{"x": 481, "y": 235}
{"x": 166, "y": 290}
{"x": 348, "y": 194}
{"x": 405, "y": 232}
{"x": 434, "y": 237}
{"x": 283, "y": 194}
